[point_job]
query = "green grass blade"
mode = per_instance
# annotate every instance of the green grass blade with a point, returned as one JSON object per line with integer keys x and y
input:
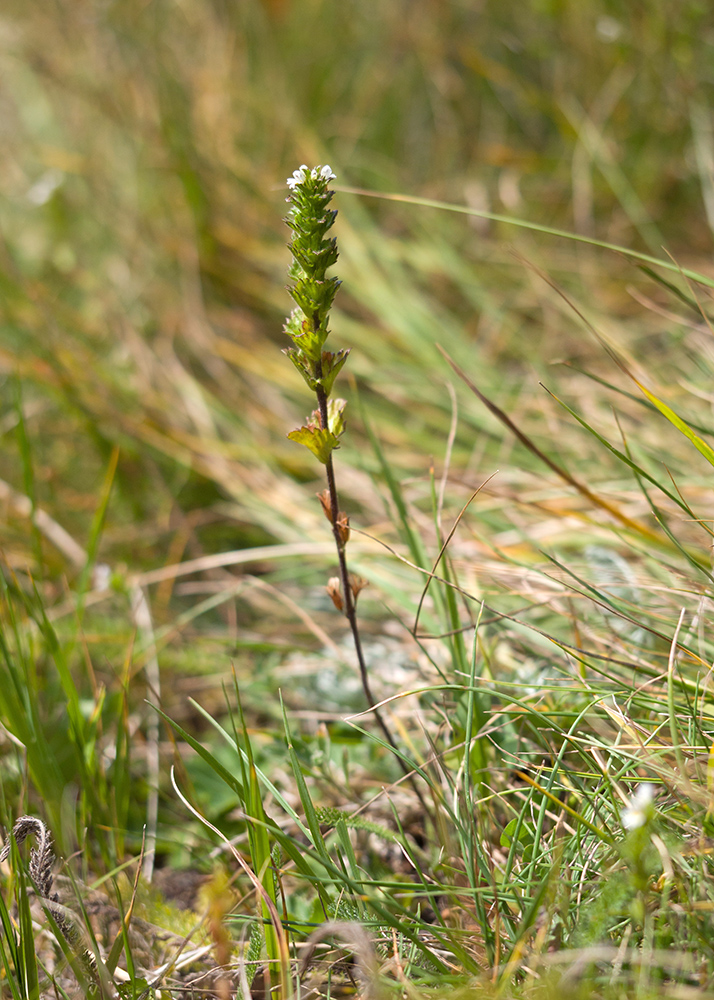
{"x": 28, "y": 474}
{"x": 95, "y": 534}
{"x": 27, "y": 970}
{"x": 706, "y": 450}
{"x": 535, "y": 227}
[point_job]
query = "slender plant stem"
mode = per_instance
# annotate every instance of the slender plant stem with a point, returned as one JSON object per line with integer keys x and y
{"x": 350, "y": 610}
{"x": 348, "y": 599}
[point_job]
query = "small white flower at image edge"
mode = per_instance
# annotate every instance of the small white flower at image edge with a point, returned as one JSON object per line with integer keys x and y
{"x": 640, "y": 808}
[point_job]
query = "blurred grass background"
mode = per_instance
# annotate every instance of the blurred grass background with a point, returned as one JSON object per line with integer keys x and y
{"x": 144, "y": 151}
{"x": 145, "y": 146}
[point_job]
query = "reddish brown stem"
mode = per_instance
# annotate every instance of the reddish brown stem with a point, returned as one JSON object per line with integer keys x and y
{"x": 348, "y": 599}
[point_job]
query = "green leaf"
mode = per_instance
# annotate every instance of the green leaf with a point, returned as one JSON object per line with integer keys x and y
{"x": 301, "y": 330}
{"x": 335, "y": 416}
{"x": 331, "y": 366}
{"x": 320, "y": 442}
{"x": 524, "y": 835}
{"x": 302, "y": 363}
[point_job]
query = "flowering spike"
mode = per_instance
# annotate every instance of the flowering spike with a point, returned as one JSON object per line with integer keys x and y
{"x": 313, "y": 253}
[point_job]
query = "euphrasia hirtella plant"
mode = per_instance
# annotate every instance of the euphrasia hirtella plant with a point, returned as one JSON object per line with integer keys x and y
{"x": 310, "y": 218}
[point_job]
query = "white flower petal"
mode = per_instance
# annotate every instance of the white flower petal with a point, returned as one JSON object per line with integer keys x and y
{"x": 298, "y": 177}
{"x": 640, "y": 808}
{"x": 317, "y": 173}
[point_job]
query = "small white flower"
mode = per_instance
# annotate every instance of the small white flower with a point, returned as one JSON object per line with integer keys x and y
{"x": 640, "y": 810}
{"x": 608, "y": 29}
{"x": 299, "y": 177}
{"x": 317, "y": 173}
{"x": 101, "y": 576}
{"x": 43, "y": 189}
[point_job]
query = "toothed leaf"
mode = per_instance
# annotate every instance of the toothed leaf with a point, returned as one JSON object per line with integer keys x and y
{"x": 320, "y": 442}
{"x": 331, "y": 364}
